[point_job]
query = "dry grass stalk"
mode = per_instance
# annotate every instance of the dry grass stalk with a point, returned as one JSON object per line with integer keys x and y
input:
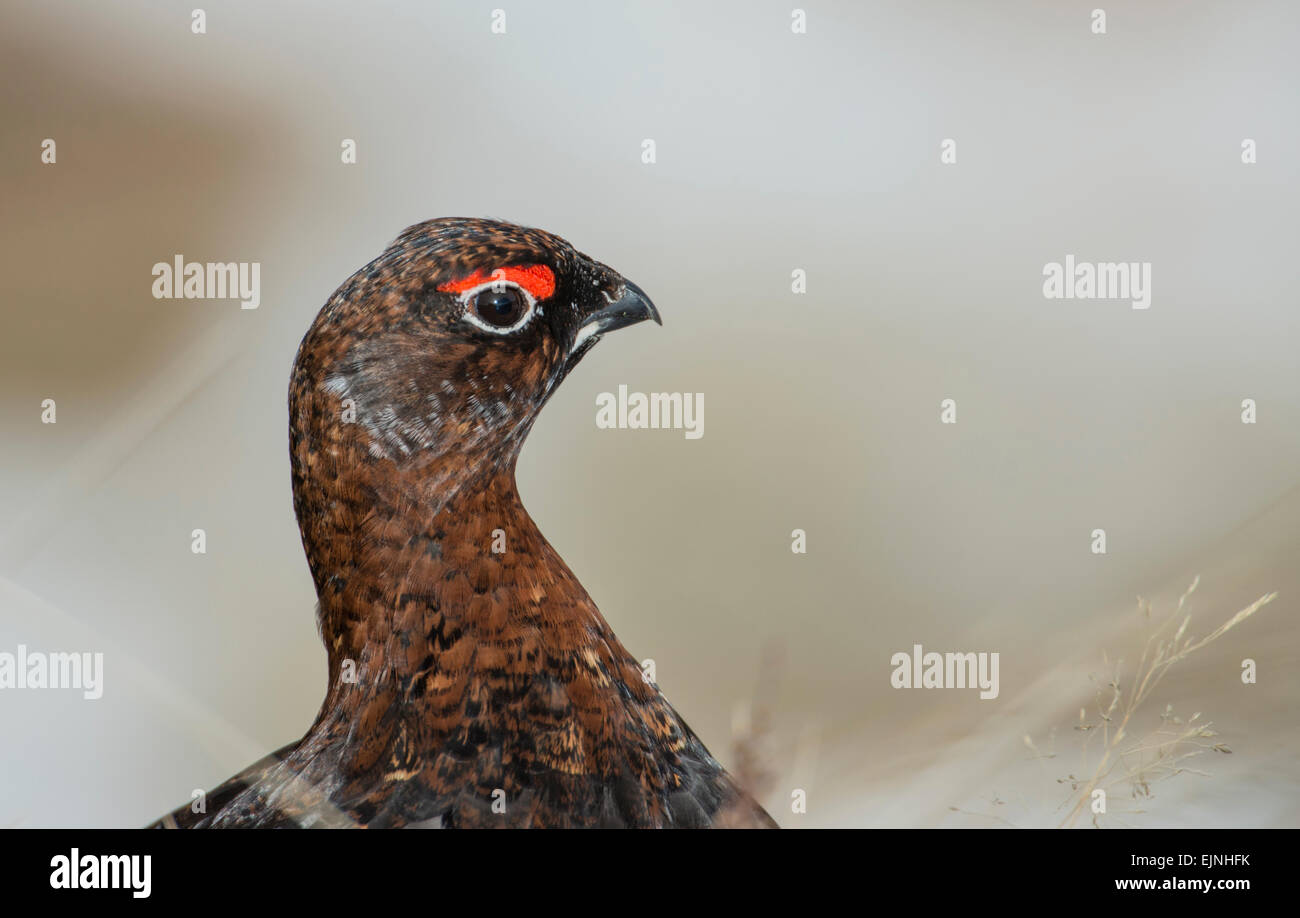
{"x": 1164, "y": 752}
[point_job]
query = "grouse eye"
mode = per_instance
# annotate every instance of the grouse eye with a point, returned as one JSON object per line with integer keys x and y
{"x": 499, "y": 306}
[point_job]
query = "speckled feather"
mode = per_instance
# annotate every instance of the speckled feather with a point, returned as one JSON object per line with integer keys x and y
{"x": 476, "y": 672}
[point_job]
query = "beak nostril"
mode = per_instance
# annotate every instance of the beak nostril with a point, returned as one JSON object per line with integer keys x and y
{"x": 631, "y": 307}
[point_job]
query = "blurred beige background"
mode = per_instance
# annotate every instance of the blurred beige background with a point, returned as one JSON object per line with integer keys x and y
{"x": 775, "y": 151}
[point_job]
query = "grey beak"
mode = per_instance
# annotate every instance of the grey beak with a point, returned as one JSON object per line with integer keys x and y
{"x": 632, "y": 307}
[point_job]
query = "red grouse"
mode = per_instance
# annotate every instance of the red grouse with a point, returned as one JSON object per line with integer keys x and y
{"x": 472, "y": 680}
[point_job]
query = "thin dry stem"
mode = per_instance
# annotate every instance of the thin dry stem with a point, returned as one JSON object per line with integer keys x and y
{"x": 1162, "y": 753}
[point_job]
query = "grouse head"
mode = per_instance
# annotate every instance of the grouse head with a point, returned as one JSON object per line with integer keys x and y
{"x": 410, "y": 399}
{"x": 454, "y": 337}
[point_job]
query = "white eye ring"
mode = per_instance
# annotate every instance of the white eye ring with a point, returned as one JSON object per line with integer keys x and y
{"x": 530, "y": 306}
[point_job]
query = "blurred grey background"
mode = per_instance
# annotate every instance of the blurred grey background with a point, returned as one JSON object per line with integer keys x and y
{"x": 775, "y": 151}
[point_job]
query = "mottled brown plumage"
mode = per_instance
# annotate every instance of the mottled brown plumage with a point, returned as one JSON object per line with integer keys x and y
{"x": 467, "y": 686}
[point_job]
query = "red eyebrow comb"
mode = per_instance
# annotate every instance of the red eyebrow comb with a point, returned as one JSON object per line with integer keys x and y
{"x": 538, "y": 280}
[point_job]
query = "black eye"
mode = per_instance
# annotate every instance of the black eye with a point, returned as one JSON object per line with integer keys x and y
{"x": 500, "y": 307}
